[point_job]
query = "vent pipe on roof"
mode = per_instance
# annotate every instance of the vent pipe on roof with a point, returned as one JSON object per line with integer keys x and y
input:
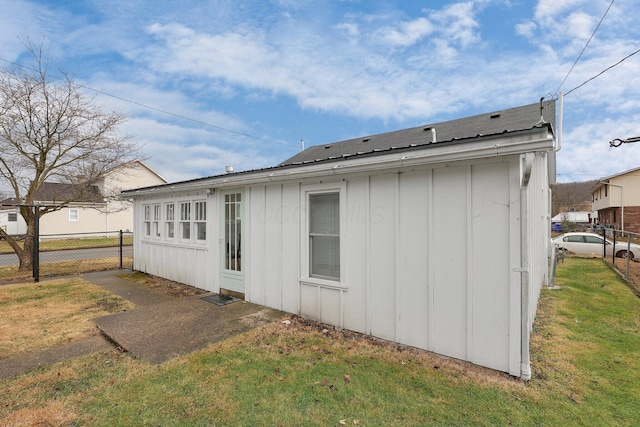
{"x": 541, "y": 111}
{"x": 302, "y": 144}
{"x": 433, "y": 135}
{"x": 229, "y": 169}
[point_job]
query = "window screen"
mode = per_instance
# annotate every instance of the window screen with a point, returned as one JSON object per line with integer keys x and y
{"x": 324, "y": 236}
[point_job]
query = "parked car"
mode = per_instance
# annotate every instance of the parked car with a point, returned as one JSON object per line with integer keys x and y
{"x": 590, "y": 243}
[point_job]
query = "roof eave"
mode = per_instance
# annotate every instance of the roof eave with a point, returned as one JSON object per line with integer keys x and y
{"x": 533, "y": 140}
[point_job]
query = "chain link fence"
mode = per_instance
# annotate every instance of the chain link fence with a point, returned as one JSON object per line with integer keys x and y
{"x": 59, "y": 254}
{"x": 623, "y": 255}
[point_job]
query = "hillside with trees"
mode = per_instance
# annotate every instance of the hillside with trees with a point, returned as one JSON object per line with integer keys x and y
{"x": 571, "y": 197}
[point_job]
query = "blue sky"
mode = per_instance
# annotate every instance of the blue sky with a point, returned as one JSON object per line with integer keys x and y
{"x": 277, "y": 71}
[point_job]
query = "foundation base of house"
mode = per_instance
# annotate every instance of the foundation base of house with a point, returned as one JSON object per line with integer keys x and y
{"x": 234, "y": 294}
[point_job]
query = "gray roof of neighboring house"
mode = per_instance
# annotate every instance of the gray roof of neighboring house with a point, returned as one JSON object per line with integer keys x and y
{"x": 56, "y": 192}
{"x": 498, "y": 122}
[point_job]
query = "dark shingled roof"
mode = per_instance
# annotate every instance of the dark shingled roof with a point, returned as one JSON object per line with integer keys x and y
{"x": 510, "y": 120}
{"x": 57, "y": 192}
{"x": 454, "y": 131}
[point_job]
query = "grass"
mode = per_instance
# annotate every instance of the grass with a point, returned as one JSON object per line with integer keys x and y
{"x": 78, "y": 243}
{"x": 64, "y": 268}
{"x": 37, "y": 316}
{"x": 585, "y": 353}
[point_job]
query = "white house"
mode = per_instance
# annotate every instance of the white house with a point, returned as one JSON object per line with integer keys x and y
{"x": 582, "y": 218}
{"x": 435, "y": 237}
{"x": 11, "y": 222}
{"x": 100, "y": 211}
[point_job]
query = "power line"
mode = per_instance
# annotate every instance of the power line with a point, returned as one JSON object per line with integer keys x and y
{"x": 603, "y": 71}
{"x": 585, "y": 47}
{"x": 618, "y": 142}
{"x": 159, "y": 110}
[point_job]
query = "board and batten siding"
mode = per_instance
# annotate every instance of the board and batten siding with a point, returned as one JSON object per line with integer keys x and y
{"x": 430, "y": 259}
{"x": 430, "y": 254}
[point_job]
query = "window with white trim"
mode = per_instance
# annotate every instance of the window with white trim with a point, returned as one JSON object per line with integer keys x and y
{"x": 74, "y": 214}
{"x": 200, "y": 220}
{"x": 169, "y": 220}
{"x": 324, "y": 235}
{"x": 185, "y": 220}
{"x": 157, "y": 213}
{"x": 147, "y": 220}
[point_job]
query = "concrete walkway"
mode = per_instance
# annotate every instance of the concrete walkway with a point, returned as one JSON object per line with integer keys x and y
{"x": 158, "y": 328}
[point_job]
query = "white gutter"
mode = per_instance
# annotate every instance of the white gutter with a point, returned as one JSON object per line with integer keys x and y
{"x": 525, "y": 361}
{"x": 514, "y": 144}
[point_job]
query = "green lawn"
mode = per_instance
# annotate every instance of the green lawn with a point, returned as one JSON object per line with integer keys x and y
{"x": 586, "y": 371}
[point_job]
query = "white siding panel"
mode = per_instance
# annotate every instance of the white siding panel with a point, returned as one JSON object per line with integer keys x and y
{"x": 449, "y": 254}
{"x": 491, "y": 265}
{"x": 382, "y": 211}
{"x": 413, "y": 250}
{"x": 289, "y": 217}
{"x": 256, "y": 243}
{"x": 200, "y": 270}
{"x": 330, "y": 306}
{"x": 274, "y": 254}
{"x": 309, "y": 302}
{"x": 356, "y": 297}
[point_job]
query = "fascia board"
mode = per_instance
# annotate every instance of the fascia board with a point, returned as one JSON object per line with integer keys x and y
{"x": 485, "y": 148}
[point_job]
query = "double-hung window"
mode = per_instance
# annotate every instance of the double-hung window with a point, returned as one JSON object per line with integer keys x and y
{"x": 185, "y": 220}
{"x": 169, "y": 220}
{"x": 200, "y": 220}
{"x": 157, "y": 212}
{"x": 74, "y": 215}
{"x": 147, "y": 220}
{"x": 324, "y": 235}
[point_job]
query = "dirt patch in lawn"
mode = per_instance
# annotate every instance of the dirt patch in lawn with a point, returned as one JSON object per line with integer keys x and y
{"x": 168, "y": 287}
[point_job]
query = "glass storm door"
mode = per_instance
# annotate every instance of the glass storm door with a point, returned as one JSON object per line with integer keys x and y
{"x": 232, "y": 268}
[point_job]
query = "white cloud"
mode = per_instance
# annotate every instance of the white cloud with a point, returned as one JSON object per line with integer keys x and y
{"x": 393, "y": 65}
{"x": 406, "y": 33}
{"x": 180, "y": 152}
{"x": 457, "y": 23}
{"x": 580, "y": 26}
{"x": 526, "y": 29}
{"x": 18, "y": 22}
{"x": 587, "y": 155}
{"x": 547, "y": 10}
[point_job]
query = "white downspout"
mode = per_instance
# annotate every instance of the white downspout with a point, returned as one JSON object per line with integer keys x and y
{"x": 560, "y": 119}
{"x": 525, "y": 362}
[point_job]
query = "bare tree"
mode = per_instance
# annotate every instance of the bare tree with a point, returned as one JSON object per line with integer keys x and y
{"x": 51, "y": 132}
{"x": 571, "y": 196}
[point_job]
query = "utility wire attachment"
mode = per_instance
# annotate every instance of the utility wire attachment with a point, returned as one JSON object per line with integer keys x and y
{"x": 618, "y": 142}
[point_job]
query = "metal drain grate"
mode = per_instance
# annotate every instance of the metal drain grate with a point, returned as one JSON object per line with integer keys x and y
{"x": 220, "y": 299}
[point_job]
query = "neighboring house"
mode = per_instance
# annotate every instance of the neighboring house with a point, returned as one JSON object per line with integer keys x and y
{"x": 98, "y": 210}
{"x": 10, "y": 220}
{"x": 434, "y": 237}
{"x": 615, "y": 197}
{"x": 580, "y": 219}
